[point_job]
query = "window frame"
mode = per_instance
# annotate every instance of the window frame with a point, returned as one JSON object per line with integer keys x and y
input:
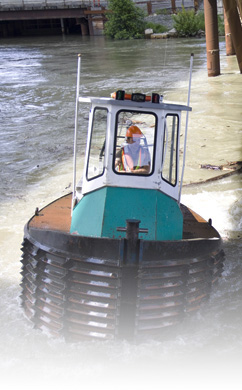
{"x": 176, "y": 151}
{"x": 134, "y": 111}
{"x": 90, "y": 142}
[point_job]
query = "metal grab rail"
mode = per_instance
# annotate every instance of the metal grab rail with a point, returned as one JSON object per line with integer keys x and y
{"x": 186, "y": 128}
{"x": 76, "y": 128}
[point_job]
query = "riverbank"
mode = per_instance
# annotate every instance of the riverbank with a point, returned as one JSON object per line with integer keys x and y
{"x": 165, "y": 20}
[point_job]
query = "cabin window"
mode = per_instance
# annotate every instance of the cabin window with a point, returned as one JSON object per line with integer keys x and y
{"x": 134, "y": 142}
{"x": 95, "y": 166}
{"x": 170, "y": 152}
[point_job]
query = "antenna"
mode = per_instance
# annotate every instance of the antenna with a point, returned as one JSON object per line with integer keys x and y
{"x": 185, "y": 138}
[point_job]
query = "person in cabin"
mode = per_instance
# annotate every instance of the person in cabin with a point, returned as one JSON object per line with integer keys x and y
{"x": 133, "y": 157}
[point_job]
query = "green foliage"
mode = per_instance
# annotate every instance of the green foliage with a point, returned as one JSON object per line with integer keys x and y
{"x": 126, "y": 20}
{"x": 162, "y": 11}
{"x": 220, "y": 25}
{"x": 157, "y": 28}
{"x": 188, "y": 23}
{"x": 200, "y": 21}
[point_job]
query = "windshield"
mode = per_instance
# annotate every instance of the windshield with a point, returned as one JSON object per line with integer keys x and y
{"x": 134, "y": 142}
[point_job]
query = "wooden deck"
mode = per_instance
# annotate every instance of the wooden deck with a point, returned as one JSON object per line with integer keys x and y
{"x": 57, "y": 216}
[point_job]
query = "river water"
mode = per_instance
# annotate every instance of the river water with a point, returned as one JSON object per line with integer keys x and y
{"x": 37, "y": 100}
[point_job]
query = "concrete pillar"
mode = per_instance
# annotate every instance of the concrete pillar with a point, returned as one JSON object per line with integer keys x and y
{"x": 228, "y": 38}
{"x": 231, "y": 9}
{"x": 84, "y": 28}
{"x": 62, "y": 26}
{"x": 212, "y": 42}
{"x": 90, "y": 25}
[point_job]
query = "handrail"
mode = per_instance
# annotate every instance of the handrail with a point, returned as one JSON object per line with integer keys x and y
{"x": 76, "y": 128}
{"x": 185, "y": 138}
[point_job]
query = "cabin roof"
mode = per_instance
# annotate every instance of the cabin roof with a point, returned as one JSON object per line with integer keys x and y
{"x": 129, "y": 104}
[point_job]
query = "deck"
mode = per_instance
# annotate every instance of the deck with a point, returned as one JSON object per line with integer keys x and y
{"x": 57, "y": 216}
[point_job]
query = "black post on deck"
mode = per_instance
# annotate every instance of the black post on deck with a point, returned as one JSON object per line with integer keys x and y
{"x": 129, "y": 286}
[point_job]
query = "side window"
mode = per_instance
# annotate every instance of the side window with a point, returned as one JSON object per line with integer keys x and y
{"x": 169, "y": 160}
{"x": 95, "y": 165}
{"x": 134, "y": 143}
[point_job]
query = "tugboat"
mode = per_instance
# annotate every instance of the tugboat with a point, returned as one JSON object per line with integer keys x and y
{"x": 120, "y": 256}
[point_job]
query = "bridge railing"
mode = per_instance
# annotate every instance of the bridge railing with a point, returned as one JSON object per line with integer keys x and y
{"x": 147, "y": 4}
{"x": 51, "y": 3}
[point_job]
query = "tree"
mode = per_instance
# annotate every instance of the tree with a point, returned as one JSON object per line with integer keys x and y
{"x": 188, "y": 23}
{"x": 126, "y": 21}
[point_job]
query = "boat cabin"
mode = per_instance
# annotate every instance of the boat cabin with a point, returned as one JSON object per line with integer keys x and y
{"x": 131, "y": 168}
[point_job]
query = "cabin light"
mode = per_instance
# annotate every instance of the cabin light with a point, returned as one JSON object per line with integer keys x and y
{"x": 155, "y": 98}
{"x": 138, "y": 97}
{"x": 120, "y": 95}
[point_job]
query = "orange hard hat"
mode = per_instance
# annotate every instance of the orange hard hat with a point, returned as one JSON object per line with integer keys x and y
{"x": 133, "y": 131}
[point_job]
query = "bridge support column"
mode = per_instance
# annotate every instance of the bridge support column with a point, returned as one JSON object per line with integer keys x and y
{"x": 233, "y": 17}
{"x": 212, "y": 43}
{"x": 149, "y": 7}
{"x": 173, "y": 6}
{"x": 84, "y": 28}
{"x": 62, "y": 26}
{"x": 90, "y": 25}
{"x": 228, "y": 37}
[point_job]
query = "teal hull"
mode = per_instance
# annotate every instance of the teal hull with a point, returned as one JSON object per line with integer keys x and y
{"x": 108, "y": 208}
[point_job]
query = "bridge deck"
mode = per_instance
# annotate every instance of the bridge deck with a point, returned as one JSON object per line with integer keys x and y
{"x": 43, "y": 4}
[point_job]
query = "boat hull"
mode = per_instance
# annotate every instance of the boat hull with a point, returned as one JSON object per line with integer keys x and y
{"x": 97, "y": 288}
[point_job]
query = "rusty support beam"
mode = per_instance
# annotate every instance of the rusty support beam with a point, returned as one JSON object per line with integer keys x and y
{"x": 239, "y": 3}
{"x": 196, "y": 5}
{"x": 149, "y": 7}
{"x": 173, "y": 6}
{"x": 231, "y": 9}
{"x": 228, "y": 38}
{"x": 212, "y": 42}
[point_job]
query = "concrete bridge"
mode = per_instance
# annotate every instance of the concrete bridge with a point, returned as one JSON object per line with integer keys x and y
{"x": 39, "y": 17}
{"x": 85, "y": 17}
{"x": 20, "y": 4}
